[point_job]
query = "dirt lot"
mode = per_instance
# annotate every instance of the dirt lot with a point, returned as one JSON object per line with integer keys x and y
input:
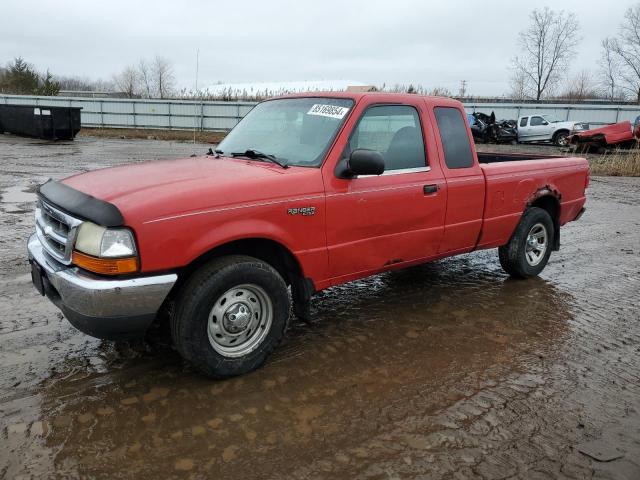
{"x": 152, "y": 134}
{"x": 450, "y": 370}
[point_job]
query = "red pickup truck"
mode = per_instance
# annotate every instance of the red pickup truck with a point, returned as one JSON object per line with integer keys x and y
{"x": 306, "y": 192}
{"x": 615, "y": 135}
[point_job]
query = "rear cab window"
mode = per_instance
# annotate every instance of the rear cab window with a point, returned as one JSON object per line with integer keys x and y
{"x": 454, "y": 137}
{"x": 523, "y": 121}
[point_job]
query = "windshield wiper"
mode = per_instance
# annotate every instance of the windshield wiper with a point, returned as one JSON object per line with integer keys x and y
{"x": 257, "y": 154}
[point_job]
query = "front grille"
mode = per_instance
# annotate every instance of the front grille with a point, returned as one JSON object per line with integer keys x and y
{"x": 56, "y": 231}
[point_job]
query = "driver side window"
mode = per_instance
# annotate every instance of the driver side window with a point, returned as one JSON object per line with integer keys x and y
{"x": 395, "y": 132}
{"x": 536, "y": 121}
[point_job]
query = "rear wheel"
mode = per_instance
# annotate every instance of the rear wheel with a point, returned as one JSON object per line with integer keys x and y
{"x": 230, "y": 315}
{"x": 529, "y": 248}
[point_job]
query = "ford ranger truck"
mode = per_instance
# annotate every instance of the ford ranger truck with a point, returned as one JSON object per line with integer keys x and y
{"x": 305, "y": 193}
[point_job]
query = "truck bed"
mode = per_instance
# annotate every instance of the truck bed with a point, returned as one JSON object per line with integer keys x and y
{"x": 514, "y": 181}
{"x": 489, "y": 157}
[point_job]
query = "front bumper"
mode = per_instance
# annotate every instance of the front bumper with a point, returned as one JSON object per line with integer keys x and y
{"x": 101, "y": 307}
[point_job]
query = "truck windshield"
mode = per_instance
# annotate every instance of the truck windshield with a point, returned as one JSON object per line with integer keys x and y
{"x": 550, "y": 118}
{"x": 295, "y": 131}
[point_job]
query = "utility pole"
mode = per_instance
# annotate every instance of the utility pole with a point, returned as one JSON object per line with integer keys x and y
{"x": 196, "y": 92}
{"x": 463, "y": 89}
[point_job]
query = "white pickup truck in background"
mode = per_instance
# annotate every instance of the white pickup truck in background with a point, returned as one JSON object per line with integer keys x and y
{"x": 545, "y": 128}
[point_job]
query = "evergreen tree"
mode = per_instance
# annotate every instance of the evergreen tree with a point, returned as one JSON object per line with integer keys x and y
{"x": 48, "y": 86}
{"x": 20, "y": 78}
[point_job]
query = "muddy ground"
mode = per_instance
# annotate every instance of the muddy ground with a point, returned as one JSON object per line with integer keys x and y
{"x": 450, "y": 370}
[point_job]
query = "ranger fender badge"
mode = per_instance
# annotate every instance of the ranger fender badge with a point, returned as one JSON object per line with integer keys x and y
{"x": 304, "y": 211}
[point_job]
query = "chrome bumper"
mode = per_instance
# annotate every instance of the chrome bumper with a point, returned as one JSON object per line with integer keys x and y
{"x": 102, "y": 307}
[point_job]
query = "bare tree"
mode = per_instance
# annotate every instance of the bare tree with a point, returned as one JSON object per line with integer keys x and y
{"x": 518, "y": 85}
{"x": 548, "y": 45}
{"x": 163, "y": 78}
{"x": 127, "y": 82}
{"x": 626, "y": 48}
{"x": 144, "y": 75}
{"x": 440, "y": 92}
{"x": 609, "y": 71}
{"x": 580, "y": 87}
{"x": 83, "y": 84}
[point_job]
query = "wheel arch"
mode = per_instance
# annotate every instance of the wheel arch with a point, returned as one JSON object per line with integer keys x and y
{"x": 548, "y": 199}
{"x": 270, "y": 251}
{"x": 558, "y": 132}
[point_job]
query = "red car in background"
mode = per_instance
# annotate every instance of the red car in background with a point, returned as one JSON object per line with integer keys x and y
{"x": 617, "y": 135}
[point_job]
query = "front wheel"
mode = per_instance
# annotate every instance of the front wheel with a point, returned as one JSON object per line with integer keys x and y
{"x": 529, "y": 248}
{"x": 230, "y": 315}
{"x": 561, "y": 139}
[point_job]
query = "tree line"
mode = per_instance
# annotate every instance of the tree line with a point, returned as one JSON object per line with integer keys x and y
{"x": 548, "y": 46}
{"x": 22, "y": 78}
{"x": 146, "y": 79}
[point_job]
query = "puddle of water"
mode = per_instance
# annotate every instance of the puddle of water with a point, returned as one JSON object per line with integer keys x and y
{"x": 17, "y": 194}
{"x": 449, "y": 370}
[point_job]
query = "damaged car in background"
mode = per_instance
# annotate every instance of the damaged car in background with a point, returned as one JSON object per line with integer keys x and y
{"x": 617, "y": 135}
{"x": 485, "y": 129}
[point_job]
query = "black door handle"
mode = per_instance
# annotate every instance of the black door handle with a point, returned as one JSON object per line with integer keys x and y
{"x": 430, "y": 189}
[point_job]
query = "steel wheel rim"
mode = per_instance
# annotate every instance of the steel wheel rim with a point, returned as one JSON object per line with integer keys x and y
{"x": 239, "y": 320}
{"x": 563, "y": 140}
{"x": 536, "y": 244}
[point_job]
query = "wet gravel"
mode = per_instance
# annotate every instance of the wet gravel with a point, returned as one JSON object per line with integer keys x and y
{"x": 449, "y": 370}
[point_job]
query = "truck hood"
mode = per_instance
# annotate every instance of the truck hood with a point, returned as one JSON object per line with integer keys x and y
{"x": 157, "y": 189}
{"x": 568, "y": 125}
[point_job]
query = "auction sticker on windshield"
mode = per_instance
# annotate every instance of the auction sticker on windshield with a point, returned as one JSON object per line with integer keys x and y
{"x": 332, "y": 111}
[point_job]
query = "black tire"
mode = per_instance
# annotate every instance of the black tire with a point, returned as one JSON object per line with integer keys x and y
{"x": 513, "y": 255}
{"x": 190, "y": 327}
{"x": 560, "y": 139}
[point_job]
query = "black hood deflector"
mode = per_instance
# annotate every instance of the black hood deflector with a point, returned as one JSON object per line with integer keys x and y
{"x": 79, "y": 204}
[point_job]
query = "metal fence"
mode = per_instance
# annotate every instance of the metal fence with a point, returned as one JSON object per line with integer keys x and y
{"x": 220, "y": 116}
{"x": 579, "y": 112}
{"x": 128, "y": 113}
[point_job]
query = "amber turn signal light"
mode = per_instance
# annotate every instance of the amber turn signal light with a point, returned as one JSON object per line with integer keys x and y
{"x": 105, "y": 266}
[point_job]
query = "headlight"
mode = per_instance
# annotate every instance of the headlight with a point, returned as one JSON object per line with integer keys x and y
{"x": 104, "y": 242}
{"x": 103, "y": 250}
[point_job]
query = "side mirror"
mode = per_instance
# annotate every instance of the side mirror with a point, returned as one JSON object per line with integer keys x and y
{"x": 544, "y": 122}
{"x": 361, "y": 162}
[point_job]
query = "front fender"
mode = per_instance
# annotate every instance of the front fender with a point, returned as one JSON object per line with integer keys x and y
{"x": 238, "y": 230}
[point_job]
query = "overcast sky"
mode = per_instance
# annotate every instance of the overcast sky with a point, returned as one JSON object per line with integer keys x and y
{"x": 421, "y": 42}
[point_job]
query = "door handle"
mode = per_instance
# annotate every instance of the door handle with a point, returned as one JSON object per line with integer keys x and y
{"x": 429, "y": 189}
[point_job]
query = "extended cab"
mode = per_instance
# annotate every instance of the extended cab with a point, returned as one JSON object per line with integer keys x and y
{"x": 306, "y": 192}
{"x": 545, "y": 128}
